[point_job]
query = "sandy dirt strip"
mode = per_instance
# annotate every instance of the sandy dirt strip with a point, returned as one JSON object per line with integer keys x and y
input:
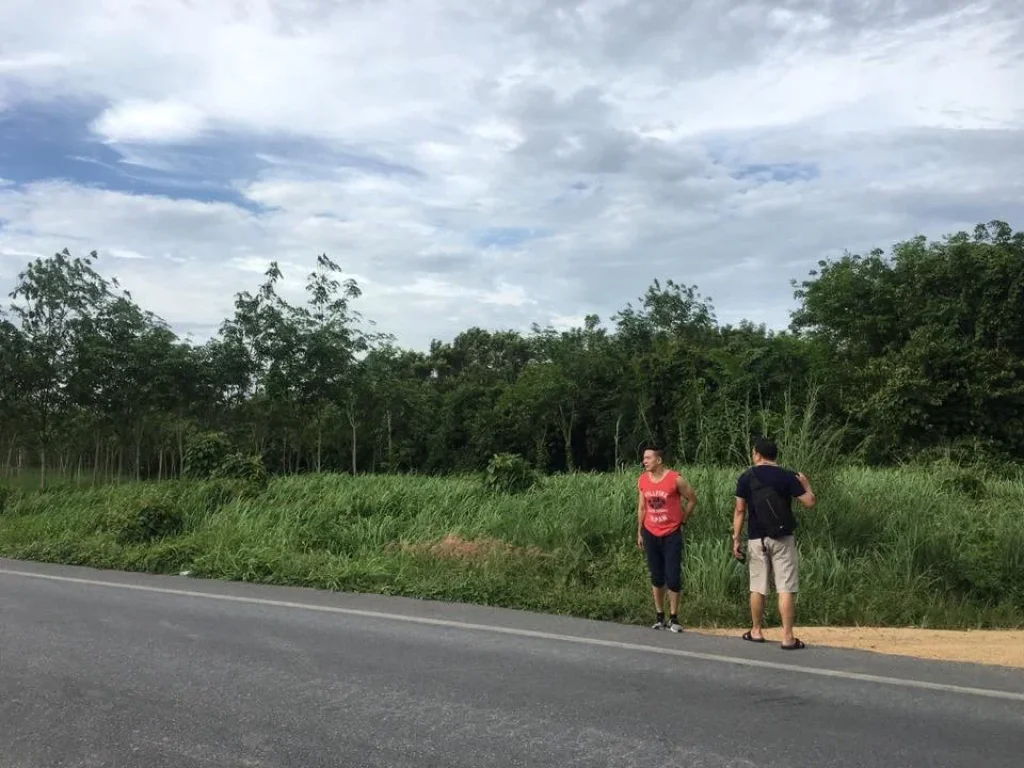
{"x": 1000, "y": 647}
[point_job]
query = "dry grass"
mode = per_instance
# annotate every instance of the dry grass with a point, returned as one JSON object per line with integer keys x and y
{"x": 454, "y": 547}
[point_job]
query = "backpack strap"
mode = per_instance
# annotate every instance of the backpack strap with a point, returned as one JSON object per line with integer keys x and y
{"x": 755, "y": 479}
{"x": 752, "y": 479}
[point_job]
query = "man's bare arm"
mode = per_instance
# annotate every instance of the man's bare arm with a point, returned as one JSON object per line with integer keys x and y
{"x": 641, "y": 510}
{"x": 807, "y": 498}
{"x": 738, "y": 516}
{"x": 688, "y": 495}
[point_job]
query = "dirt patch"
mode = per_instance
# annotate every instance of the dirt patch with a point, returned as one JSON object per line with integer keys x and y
{"x": 453, "y": 547}
{"x": 980, "y": 646}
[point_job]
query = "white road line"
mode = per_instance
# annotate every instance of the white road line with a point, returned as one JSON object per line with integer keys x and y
{"x": 677, "y": 652}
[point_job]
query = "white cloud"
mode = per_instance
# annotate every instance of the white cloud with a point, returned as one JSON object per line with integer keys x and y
{"x": 147, "y": 121}
{"x": 618, "y": 132}
{"x": 32, "y": 61}
{"x": 127, "y": 254}
{"x": 567, "y": 322}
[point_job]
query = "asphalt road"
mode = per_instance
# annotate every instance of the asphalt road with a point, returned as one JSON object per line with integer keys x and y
{"x": 168, "y": 672}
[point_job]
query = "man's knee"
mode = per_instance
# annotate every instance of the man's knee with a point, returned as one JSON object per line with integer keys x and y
{"x": 657, "y": 575}
{"x": 785, "y": 578}
{"x": 760, "y": 583}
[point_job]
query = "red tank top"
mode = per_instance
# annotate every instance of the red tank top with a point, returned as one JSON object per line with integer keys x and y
{"x": 664, "y": 509}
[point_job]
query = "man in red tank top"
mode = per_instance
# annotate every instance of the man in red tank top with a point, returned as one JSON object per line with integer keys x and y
{"x": 661, "y": 516}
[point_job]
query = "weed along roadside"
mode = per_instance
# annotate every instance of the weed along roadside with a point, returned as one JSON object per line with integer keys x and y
{"x": 931, "y": 548}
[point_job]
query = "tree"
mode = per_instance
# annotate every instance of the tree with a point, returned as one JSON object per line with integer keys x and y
{"x": 930, "y": 339}
{"x": 56, "y": 302}
{"x": 12, "y": 390}
{"x": 667, "y": 341}
{"x": 127, "y": 382}
{"x": 330, "y": 341}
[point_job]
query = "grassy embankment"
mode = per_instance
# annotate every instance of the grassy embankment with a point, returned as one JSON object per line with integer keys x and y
{"x": 898, "y": 547}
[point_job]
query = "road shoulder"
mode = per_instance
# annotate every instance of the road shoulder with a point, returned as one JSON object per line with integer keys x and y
{"x": 991, "y": 647}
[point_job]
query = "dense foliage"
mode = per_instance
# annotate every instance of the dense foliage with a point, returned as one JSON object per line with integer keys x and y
{"x": 910, "y": 353}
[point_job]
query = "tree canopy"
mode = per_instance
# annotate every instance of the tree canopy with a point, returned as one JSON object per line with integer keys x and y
{"x": 912, "y": 351}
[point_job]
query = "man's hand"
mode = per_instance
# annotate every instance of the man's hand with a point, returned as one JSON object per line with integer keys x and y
{"x": 807, "y": 498}
{"x": 639, "y": 540}
{"x": 737, "y": 550}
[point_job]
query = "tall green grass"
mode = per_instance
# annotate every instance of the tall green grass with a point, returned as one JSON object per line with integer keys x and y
{"x": 939, "y": 548}
{"x": 28, "y": 479}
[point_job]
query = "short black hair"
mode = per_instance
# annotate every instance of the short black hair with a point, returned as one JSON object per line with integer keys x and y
{"x": 656, "y": 448}
{"x": 766, "y": 448}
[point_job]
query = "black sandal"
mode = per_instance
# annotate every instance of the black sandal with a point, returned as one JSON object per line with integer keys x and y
{"x": 748, "y": 635}
{"x": 797, "y": 645}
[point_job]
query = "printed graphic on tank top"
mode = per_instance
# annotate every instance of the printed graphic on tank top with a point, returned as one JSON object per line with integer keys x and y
{"x": 664, "y": 510}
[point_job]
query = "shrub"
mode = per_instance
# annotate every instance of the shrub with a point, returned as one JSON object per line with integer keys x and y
{"x": 205, "y": 453}
{"x": 6, "y": 498}
{"x": 510, "y": 473}
{"x": 168, "y": 556}
{"x": 148, "y": 520}
{"x": 962, "y": 482}
{"x": 238, "y": 466}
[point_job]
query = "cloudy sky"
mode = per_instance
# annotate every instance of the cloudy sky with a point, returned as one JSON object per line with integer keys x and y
{"x": 499, "y": 162}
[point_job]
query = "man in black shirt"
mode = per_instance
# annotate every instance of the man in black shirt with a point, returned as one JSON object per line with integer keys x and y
{"x": 764, "y": 495}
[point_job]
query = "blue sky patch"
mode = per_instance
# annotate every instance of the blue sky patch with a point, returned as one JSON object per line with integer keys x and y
{"x": 52, "y": 141}
{"x": 766, "y": 172}
{"x": 507, "y": 237}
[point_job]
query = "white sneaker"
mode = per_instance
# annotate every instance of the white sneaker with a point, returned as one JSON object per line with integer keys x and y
{"x": 658, "y": 625}
{"x": 675, "y": 626}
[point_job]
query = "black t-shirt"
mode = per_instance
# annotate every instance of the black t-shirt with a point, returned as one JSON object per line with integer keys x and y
{"x": 782, "y": 480}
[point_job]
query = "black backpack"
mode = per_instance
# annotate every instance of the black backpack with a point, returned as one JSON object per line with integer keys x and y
{"x": 772, "y": 511}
